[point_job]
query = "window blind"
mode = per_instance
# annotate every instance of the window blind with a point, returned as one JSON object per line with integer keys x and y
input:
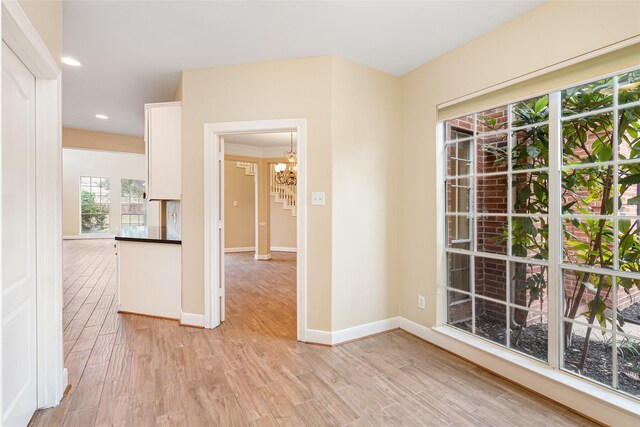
{"x": 572, "y": 75}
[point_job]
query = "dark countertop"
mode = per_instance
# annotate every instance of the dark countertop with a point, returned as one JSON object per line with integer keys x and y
{"x": 147, "y": 235}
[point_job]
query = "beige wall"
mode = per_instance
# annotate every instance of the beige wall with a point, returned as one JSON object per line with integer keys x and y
{"x": 353, "y": 116}
{"x": 267, "y": 90}
{"x": 372, "y": 149}
{"x": 239, "y": 221}
{"x": 79, "y": 138}
{"x": 366, "y": 194}
{"x": 493, "y": 58}
{"x": 283, "y": 226}
{"x": 46, "y": 17}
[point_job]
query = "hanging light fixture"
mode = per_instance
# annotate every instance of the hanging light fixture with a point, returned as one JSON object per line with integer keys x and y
{"x": 286, "y": 173}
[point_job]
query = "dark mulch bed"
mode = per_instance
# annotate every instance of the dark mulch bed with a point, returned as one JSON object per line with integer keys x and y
{"x": 631, "y": 314}
{"x": 598, "y": 365}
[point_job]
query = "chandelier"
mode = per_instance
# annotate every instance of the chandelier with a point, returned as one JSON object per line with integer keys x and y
{"x": 286, "y": 173}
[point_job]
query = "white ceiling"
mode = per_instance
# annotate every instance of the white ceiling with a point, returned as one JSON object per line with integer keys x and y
{"x": 133, "y": 52}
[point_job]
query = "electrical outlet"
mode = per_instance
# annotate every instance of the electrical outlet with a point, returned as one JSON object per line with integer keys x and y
{"x": 422, "y": 302}
{"x": 317, "y": 198}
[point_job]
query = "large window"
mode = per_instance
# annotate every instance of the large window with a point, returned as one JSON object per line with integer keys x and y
{"x": 134, "y": 206}
{"x": 543, "y": 236}
{"x": 95, "y": 196}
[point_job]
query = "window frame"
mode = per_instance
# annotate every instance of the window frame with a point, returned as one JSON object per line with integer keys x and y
{"x": 108, "y": 213}
{"x": 128, "y": 197}
{"x": 555, "y": 263}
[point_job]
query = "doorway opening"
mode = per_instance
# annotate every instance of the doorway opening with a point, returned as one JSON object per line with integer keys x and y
{"x": 260, "y": 233}
{"x": 254, "y": 227}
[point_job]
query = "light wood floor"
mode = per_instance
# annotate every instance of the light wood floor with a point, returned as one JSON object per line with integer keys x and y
{"x": 137, "y": 371}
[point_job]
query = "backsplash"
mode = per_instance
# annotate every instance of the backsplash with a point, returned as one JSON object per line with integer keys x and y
{"x": 172, "y": 211}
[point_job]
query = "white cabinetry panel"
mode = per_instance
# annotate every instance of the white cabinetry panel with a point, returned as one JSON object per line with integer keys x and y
{"x": 163, "y": 127}
{"x": 150, "y": 277}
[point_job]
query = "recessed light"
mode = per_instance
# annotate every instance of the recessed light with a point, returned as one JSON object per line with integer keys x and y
{"x": 70, "y": 61}
{"x": 101, "y": 116}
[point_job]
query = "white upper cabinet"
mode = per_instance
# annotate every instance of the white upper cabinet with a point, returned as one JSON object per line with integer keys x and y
{"x": 162, "y": 137}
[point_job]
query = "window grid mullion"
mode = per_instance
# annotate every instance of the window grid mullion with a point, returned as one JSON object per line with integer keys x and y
{"x": 555, "y": 263}
{"x": 507, "y": 288}
{"x": 616, "y": 245}
{"x": 472, "y": 201}
{"x": 554, "y": 277}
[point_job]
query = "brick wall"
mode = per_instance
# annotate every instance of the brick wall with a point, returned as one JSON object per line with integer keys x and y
{"x": 491, "y": 198}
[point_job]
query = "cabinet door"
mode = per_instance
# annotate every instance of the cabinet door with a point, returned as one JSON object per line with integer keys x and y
{"x": 163, "y": 151}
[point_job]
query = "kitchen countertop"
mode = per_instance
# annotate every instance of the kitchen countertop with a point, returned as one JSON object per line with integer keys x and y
{"x": 147, "y": 235}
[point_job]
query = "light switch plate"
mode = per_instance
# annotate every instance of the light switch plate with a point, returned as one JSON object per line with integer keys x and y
{"x": 317, "y": 198}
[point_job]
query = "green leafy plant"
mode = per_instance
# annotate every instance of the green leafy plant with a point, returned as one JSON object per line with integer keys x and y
{"x": 94, "y": 216}
{"x": 587, "y": 242}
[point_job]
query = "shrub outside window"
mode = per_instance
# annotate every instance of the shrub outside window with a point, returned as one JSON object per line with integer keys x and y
{"x": 133, "y": 204}
{"x": 95, "y": 198}
{"x": 530, "y": 250}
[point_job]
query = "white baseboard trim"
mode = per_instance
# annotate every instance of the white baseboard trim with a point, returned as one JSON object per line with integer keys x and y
{"x": 580, "y": 395}
{"x": 189, "y": 319}
{"x": 283, "y": 249}
{"x": 65, "y": 380}
{"x": 241, "y": 249}
{"x": 353, "y": 333}
{"x": 314, "y": 336}
{"x": 356, "y": 332}
{"x": 87, "y": 236}
{"x": 263, "y": 257}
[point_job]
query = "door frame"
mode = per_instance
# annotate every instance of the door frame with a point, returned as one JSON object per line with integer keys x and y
{"x": 23, "y": 39}
{"x": 213, "y": 255}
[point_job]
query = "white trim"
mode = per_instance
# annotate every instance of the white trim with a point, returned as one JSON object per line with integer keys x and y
{"x": 554, "y": 67}
{"x": 212, "y": 134}
{"x": 349, "y": 334}
{"x": 318, "y": 337}
{"x": 87, "y": 236}
{"x": 441, "y": 227}
{"x": 283, "y": 249}
{"x": 190, "y": 319}
{"x": 599, "y": 403}
{"x": 365, "y": 330}
{"x": 164, "y": 104}
{"x": 101, "y": 150}
{"x": 242, "y": 249}
{"x": 263, "y": 257}
{"x": 253, "y": 151}
{"x": 23, "y": 39}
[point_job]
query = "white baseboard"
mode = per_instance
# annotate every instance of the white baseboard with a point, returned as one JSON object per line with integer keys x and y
{"x": 189, "y": 319}
{"x": 263, "y": 257}
{"x": 283, "y": 249}
{"x": 580, "y": 395}
{"x": 87, "y": 236}
{"x": 241, "y": 249}
{"x": 318, "y": 337}
{"x": 65, "y": 379}
{"x": 365, "y": 330}
{"x": 353, "y": 333}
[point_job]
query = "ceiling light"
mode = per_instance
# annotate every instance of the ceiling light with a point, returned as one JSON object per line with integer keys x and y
{"x": 101, "y": 116}
{"x": 286, "y": 174}
{"x": 70, "y": 61}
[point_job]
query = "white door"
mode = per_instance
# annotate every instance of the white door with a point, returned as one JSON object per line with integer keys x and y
{"x": 18, "y": 242}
